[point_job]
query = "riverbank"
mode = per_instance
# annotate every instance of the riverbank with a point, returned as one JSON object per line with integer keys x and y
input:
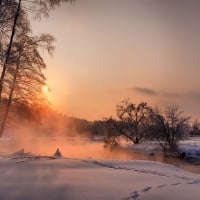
{"x": 191, "y": 147}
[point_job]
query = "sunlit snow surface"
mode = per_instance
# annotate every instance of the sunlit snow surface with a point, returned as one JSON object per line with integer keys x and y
{"x": 41, "y": 176}
{"x": 190, "y": 146}
{"x": 47, "y": 178}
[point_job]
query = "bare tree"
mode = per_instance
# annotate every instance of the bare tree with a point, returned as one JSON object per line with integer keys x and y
{"x": 24, "y": 78}
{"x": 9, "y": 79}
{"x": 132, "y": 123}
{"x": 195, "y": 128}
{"x": 113, "y": 133}
{"x": 169, "y": 127}
{"x": 39, "y": 7}
{"x": 135, "y": 117}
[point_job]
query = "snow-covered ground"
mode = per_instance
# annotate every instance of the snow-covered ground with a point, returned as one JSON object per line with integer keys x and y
{"x": 29, "y": 177}
{"x": 44, "y": 178}
{"x": 190, "y": 146}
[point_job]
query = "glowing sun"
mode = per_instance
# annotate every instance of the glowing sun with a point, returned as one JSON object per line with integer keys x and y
{"x": 45, "y": 88}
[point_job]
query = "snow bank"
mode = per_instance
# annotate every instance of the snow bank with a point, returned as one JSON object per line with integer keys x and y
{"x": 78, "y": 179}
{"x": 191, "y": 147}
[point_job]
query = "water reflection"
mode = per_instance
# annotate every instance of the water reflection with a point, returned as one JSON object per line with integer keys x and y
{"x": 88, "y": 148}
{"x": 191, "y": 165}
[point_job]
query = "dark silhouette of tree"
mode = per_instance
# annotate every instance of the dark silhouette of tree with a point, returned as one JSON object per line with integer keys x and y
{"x": 169, "y": 127}
{"x": 27, "y": 77}
{"x": 195, "y": 128}
{"x": 9, "y": 47}
{"x": 7, "y": 11}
{"x": 39, "y": 7}
{"x": 13, "y": 56}
{"x": 113, "y": 133}
{"x": 97, "y": 128}
{"x": 24, "y": 78}
{"x": 132, "y": 123}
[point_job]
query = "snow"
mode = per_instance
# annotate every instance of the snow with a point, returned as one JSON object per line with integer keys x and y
{"x": 190, "y": 146}
{"x": 145, "y": 147}
{"x": 89, "y": 179}
{"x": 28, "y": 174}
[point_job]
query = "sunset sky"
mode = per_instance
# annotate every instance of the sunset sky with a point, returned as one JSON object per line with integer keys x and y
{"x": 110, "y": 50}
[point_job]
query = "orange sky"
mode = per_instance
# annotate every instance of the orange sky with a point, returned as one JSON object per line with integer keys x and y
{"x": 110, "y": 50}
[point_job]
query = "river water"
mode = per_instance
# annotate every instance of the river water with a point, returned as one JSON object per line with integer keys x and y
{"x": 87, "y": 148}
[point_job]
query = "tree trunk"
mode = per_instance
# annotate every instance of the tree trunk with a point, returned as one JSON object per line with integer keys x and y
{"x": 5, "y": 116}
{"x": 9, "y": 49}
{"x": 136, "y": 140}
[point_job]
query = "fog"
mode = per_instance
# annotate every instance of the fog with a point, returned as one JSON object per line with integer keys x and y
{"x": 57, "y": 131}
{"x": 83, "y": 148}
{"x": 76, "y": 145}
{"x": 72, "y": 147}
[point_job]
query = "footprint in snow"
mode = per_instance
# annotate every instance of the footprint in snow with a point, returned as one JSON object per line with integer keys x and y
{"x": 134, "y": 195}
{"x": 161, "y": 186}
{"x": 146, "y": 189}
{"x": 176, "y": 183}
{"x": 194, "y": 182}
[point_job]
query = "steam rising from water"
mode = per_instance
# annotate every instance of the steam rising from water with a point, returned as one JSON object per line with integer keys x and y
{"x": 52, "y": 133}
{"x": 83, "y": 148}
{"x": 69, "y": 147}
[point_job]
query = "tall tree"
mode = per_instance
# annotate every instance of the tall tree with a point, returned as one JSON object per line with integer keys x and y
{"x": 7, "y": 13}
{"x": 9, "y": 47}
{"x": 24, "y": 77}
{"x": 39, "y": 7}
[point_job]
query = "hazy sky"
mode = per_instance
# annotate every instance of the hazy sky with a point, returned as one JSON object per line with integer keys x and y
{"x": 110, "y": 50}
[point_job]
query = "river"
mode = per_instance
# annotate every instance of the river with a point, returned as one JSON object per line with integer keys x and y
{"x": 87, "y": 148}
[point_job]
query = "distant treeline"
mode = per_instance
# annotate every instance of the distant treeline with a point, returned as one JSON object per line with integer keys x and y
{"x": 43, "y": 121}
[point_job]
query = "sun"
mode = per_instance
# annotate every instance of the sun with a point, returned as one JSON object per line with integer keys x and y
{"x": 45, "y": 88}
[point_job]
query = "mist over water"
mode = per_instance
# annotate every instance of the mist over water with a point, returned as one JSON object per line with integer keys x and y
{"x": 84, "y": 148}
{"x": 72, "y": 147}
